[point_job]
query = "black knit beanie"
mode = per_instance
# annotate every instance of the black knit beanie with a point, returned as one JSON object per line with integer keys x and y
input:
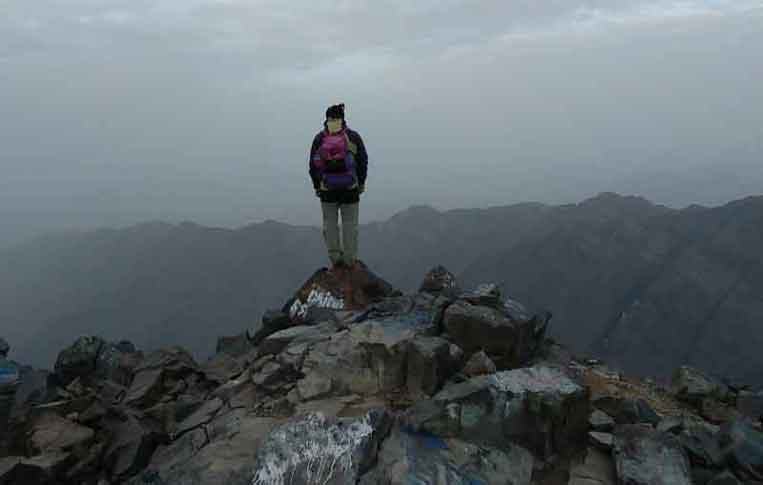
{"x": 335, "y": 112}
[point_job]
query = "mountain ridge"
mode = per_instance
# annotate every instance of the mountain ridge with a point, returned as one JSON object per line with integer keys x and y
{"x": 608, "y": 252}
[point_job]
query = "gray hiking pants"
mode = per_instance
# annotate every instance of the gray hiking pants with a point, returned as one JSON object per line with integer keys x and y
{"x": 342, "y": 246}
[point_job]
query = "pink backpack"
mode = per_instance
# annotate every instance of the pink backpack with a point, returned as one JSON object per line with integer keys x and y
{"x": 335, "y": 161}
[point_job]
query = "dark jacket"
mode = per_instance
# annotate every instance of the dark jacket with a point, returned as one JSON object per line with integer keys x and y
{"x": 361, "y": 162}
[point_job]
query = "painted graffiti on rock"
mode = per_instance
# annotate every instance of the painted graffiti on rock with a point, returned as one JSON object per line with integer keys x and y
{"x": 317, "y": 298}
{"x": 314, "y": 449}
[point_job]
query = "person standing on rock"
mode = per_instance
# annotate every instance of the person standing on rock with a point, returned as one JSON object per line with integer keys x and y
{"x": 338, "y": 168}
{"x": 9, "y": 381}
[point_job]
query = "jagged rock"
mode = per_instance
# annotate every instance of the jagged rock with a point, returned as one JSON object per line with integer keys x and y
{"x": 278, "y": 341}
{"x": 409, "y": 457}
{"x": 603, "y": 441}
{"x": 439, "y": 281}
{"x": 476, "y": 328}
{"x": 52, "y": 433}
{"x": 487, "y": 294}
{"x": 231, "y": 388}
{"x": 744, "y": 447}
{"x": 314, "y": 386}
{"x": 234, "y": 346}
{"x": 644, "y": 456}
{"x": 165, "y": 372}
{"x": 273, "y": 376}
{"x": 202, "y": 416}
{"x": 600, "y": 421}
{"x": 146, "y": 389}
{"x": 175, "y": 361}
{"x": 429, "y": 365}
{"x": 79, "y": 359}
{"x": 272, "y": 322}
{"x": 93, "y": 357}
{"x": 368, "y": 358}
{"x": 221, "y": 368}
{"x": 39, "y": 470}
{"x": 132, "y": 444}
{"x": 750, "y": 404}
{"x": 724, "y": 478}
{"x": 116, "y": 362}
{"x": 479, "y": 364}
{"x": 597, "y": 469}
{"x": 692, "y": 385}
{"x": 700, "y": 440}
{"x": 318, "y": 449}
{"x": 540, "y": 408}
{"x": 225, "y": 453}
{"x": 627, "y": 411}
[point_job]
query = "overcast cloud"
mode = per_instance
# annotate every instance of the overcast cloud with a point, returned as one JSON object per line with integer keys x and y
{"x": 116, "y": 111}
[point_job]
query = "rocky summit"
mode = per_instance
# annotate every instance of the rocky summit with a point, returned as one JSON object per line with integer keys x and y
{"x": 354, "y": 382}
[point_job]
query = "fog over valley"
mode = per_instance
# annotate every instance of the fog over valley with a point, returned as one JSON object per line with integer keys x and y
{"x": 120, "y": 112}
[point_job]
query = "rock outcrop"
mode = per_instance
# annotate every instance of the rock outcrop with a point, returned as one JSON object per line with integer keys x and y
{"x": 352, "y": 382}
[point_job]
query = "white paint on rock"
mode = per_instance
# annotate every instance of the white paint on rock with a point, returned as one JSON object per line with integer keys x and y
{"x": 318, "y": 297}
{"x": 312, "y": 445}
{"x": 535, "y": 380}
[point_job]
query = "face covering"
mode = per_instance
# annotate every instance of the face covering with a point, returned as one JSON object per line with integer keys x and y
{"x": 334, "y": 126}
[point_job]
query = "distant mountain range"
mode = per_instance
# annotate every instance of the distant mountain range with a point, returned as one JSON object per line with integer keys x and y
{"x": 643, "y": 286}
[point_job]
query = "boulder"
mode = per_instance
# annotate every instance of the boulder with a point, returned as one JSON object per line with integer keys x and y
{"x": 278, "y": 341}
{"x": 744, "y": 448}
{"x": 539, "y": 408}
{"x": 52, "y": 433}
{"x": 372, "y": 356}
{"x": 165, "y": 373}
{"x": 273, "y": 375}
{"x": 200, "y": 417}
{"x": 439, "y": 281}
{"x": 90, "y": 358}
{"x": 645, "y": 456}
{"x": 338, "y": 290}
{"x": 476, "y": 328}
{"x": 224, "y": 452}
{"x": 146, "y": 389}
{"x": 132, "y": 444}
{"x": 221, "y": 368}
{"x": 116, "y": 362}
{"x": 479, "y": 364}
{"x": 317, "y": 449}
{"x": 78, "y": 360}
{"x": 409, "y": 457}
{"x": 429, "y": 365}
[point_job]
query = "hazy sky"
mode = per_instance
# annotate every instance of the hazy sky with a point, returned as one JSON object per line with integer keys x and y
{"x": 116, "y": 111}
